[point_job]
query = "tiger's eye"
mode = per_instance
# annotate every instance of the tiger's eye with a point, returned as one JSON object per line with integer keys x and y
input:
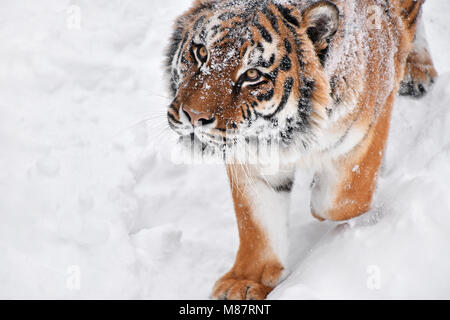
{"x": 202, "y": 52}
{"x": 253, "y": 74}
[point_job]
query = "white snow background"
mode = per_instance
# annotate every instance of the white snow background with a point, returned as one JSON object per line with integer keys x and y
{"x": 91, "y": 207}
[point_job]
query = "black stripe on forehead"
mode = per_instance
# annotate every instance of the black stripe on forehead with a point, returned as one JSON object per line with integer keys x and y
{"x": 198, "y": 22}
{"x": 298, "y": 43}
{"x": 264, "y": 33}
{"x": 293, "y": 31}
{"x": 260, "y": 60}
{"x": 227, "y": 36}
{"x": 273, "y": 20}
{"x": 264, "y": 63}
{"x": 234, "y": 29}
{"x": 286, "y": 13}
{"x": 227, "y": 16}
{"x": 260, "y": 47}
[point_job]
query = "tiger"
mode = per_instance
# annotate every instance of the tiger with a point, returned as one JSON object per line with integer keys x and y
{"x": 315, "y": 78}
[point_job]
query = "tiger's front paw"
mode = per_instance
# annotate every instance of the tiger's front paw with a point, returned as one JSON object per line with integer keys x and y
{"x": 420, "y": 75}
{"x": 255, "y": 287}
{"x": 236, "y": 289}
{"x": 416, "y": 88}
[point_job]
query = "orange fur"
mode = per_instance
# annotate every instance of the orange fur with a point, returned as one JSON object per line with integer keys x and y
{"x": 256, "y": 270}
{"x": 359, "y": 94}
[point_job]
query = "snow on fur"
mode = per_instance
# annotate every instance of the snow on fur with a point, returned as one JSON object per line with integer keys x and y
{"x": 94, "y": 206}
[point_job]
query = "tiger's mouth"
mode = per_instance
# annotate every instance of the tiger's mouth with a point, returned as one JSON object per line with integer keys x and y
{"x": 247, "y": 146}
{"x": 221, "y": 139}
{"x": 207, "y": 140}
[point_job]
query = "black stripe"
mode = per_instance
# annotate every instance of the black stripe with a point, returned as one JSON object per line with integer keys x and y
{"x": 287, "y": 46}
{"x": 260, "y": 47}
{"x": 225, "y": 37}
{"x": 244, "y": 52}
{"x": 304, "y": 110}
{"x": 286, "y": 13}
{"x": 244, "y": 114}
{"x": 293, "y": 32}
{"x": 175, "y": 77}
{"x": 227, "y": 16}
{"x": 174, "y": 45}
{"x": 301, "y": 63}
{"x": 286, "y": 94}
{"x": 186, "y": 36}
{"x": 203, "y": 34}
{"x": 273, "y": 75}
{"x": 233, "y": 28}
{"x": 298, "y": 43}
{"x": 215, "y": 30}
{"x": 256, "y": 85}
{"x": 198, "y": 22}
{"x": 183, "y": 58}
{"x": 407, "y": 12}
{"x": 413, "y": 21}
{"x": 265, "y": 96}
{"x": 172, "y": 117}
{"x": 265, "y": 64}
{"x": 264, "y": 33}
{"x": 306, "y": 90}
{"x": 273, "y": 20}
{"x": 285, "y": 64}
{"x": 304, "y": 107}
{"x": 173, "y": 107}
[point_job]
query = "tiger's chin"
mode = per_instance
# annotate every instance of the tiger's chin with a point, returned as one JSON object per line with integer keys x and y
{"x": 263, "y": 150}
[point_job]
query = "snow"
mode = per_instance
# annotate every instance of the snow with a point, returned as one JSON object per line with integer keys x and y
{"x": 93, "y": 205}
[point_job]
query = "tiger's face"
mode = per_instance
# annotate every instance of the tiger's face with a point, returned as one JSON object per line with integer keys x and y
{"x": 250, "y": 70}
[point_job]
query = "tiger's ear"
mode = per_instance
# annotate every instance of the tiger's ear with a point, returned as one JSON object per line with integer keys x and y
{"x": 322, "y": 22}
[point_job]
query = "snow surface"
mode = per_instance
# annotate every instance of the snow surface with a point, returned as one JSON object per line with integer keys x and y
{"x": 92, "y": 206}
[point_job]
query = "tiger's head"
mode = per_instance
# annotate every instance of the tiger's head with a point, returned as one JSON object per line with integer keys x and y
{"x": 246, "y": 69}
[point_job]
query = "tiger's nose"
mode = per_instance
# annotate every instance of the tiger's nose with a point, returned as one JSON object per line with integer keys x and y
{"x": 198, "y": 118}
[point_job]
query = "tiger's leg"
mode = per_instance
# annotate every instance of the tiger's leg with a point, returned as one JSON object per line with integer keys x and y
{"x": 261, "y": 206}
{"x": 420, "y": 73}
{"x": 344, "y": 188}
